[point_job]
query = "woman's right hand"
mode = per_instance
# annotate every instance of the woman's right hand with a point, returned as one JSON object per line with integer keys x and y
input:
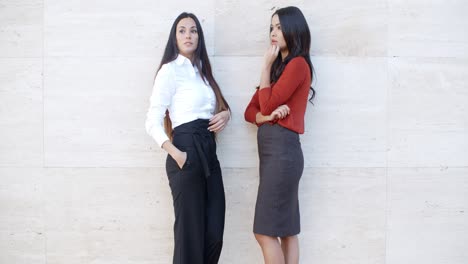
{"x": 180, "y": 158}
{"x": 270, "y": 56}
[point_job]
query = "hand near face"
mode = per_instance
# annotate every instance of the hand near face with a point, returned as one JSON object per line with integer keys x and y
{"x": 219, "y": 121}
{"x": 270, "y": 55}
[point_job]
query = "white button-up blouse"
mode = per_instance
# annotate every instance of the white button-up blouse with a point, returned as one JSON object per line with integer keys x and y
{"x": 179, "y": 88}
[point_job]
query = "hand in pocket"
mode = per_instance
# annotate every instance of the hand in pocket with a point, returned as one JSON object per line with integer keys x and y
{"x": 181, "y": 159}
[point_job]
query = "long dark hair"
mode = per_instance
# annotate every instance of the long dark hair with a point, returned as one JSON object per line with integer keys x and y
{"x": 296, "y": 33}
{"x": 200, "y": 60}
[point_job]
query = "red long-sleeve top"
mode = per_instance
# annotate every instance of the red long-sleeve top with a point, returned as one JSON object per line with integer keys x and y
{"x": 292, "y": 89}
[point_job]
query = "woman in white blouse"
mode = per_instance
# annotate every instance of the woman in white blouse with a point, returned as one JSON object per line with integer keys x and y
{"x": 186, "y": 109}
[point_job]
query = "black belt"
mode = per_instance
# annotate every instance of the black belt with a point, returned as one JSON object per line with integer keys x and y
{"x": 202, "y": 139}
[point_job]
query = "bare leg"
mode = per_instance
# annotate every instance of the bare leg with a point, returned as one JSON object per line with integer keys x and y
{"x": 290, "y": 246}
{"x": 271, "y": 249}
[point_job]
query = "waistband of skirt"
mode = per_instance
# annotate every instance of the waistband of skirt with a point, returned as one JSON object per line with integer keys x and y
{"x": 277, "y": 128}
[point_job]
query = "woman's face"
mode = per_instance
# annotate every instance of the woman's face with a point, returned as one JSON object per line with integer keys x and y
{"x": 276, "y": 35}
{"x": 187, "y": 37}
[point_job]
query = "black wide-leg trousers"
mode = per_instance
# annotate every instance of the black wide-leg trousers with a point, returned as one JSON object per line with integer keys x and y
{"x": 198, "y": 196}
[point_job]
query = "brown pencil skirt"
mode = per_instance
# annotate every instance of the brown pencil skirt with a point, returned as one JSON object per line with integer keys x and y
{"x": 281, "y": 166}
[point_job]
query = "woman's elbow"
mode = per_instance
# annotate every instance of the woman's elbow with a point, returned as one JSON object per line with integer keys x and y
{"x": 248, "y": 116}
{"x": 148, "y": 126}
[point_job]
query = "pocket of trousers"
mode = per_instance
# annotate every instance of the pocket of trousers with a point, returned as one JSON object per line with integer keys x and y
{"x": 187, "y": 160}
{"x": 172, "y": 166}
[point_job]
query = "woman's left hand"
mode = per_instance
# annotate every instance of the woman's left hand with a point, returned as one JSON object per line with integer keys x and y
{"x": 280, "y": 112}
{"x": 219, "y": 121}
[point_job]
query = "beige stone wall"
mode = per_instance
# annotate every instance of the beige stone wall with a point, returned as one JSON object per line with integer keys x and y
{"x": 386, "y": 177}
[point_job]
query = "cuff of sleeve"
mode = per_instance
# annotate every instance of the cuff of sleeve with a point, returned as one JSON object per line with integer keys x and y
{"x": 160, "y": 138}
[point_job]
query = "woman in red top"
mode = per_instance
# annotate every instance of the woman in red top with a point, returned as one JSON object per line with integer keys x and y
{"x": 278, "y": 108}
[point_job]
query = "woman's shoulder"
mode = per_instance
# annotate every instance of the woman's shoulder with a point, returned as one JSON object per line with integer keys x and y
{"x": 169, "y": 65}
{"x": 297, "y": 65}
{"x": 298, "y": 61}
{"x": 166, "y": 69}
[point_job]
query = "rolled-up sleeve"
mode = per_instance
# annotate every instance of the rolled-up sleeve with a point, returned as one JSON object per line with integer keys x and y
{"x": 160, "y": 100}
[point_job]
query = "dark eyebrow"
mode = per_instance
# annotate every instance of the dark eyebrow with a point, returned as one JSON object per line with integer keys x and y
{"x": 190, "y": 27}
{"x": 278, "y": 24}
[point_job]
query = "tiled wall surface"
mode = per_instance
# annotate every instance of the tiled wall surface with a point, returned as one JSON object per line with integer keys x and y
{"x": 386, "y": 177}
